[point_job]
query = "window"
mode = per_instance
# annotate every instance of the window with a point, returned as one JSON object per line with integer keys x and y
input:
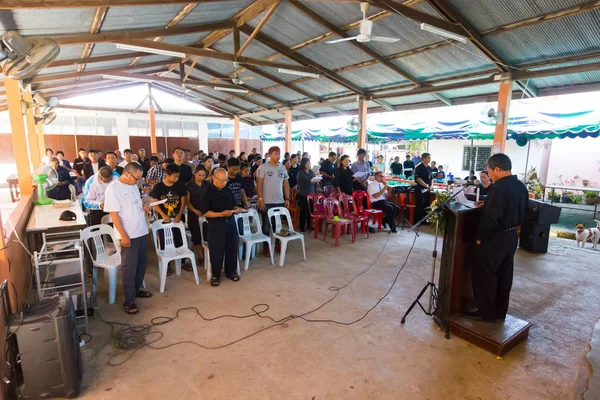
{"x": 190, "y": 129}
{"x": 255, "y": 132}
{"x": 174, "y": 128}
{"x": 479, "y": 155}
{"x": 85, "y": 125}
{"x": 214, "y": 130}
{"x": 160, "y": 127}
{"x": 106, "y": 126}
{"x": 138, "y": 127}
{"x": 227, "y": 131}
{"x": 62, "y": 125}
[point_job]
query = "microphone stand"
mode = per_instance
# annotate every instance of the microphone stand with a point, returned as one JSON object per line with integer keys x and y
{"x": 433, "y": 289}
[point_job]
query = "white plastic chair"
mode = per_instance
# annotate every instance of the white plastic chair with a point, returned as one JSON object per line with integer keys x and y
{"x": 110, "y": 263}
{"x": 170, "y": 252}
{"x": 207, "y": 266}
{"x": 276, "y": 213}
{"x": 249, "y": 238}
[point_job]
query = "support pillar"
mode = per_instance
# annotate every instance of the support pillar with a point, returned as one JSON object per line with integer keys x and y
{"x": 40, "y": 135}
{"x": 34, "y": 150}
{"x": 288, "y": 131}
{"x": 504, "y": 97}
{"x": 362, "y": 119}
{"x": 236, "y": 135}
{"x": 545, "y": 164}
{"x": 153, "y": 145}
{"x": 19, "y": 137}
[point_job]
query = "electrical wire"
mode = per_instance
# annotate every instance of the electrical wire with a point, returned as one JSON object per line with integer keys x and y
{"x": 132, "y": 338}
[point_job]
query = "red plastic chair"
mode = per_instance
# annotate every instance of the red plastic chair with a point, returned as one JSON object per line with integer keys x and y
{"x": 336, "y": 195}
{"x": 332, "y": 209}
{"x": 328, "y": 190}
{"x": 316, "y": 216}
{"x": 371, "y": 213}
{"x": 408, "y": 205}
{"x": 350, "y": 211}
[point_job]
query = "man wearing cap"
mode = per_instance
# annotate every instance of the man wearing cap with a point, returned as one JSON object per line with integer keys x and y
{"x": 272, "y": 187}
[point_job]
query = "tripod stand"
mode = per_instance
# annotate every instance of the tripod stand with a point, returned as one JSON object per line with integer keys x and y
{"x": 434, "y": 295}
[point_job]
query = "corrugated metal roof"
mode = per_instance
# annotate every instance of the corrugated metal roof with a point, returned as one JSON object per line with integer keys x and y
{"x": 255, "y": 49}
{"x": 119, "y": 18}
{"x": 485, "y": 15}
{"x": 334, "y": 55}
{"x": 322, "y": 87}
{"x": 419, "y": 98}
{"x": 286, "y": 94}
{"x": 56, "y": 21}
{"x": 205, "y": 13}
{"x": 373, "y": 76}
{"x": 68, "y": 52}
{"x": 445, "y": 61}
{"x": 289, "y": 26}
{"x": 185, "y": 40}
{"x": 571, "y": 35}
{"x": 472, "y": 91}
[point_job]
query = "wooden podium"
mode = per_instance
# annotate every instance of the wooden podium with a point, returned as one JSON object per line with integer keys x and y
{"x": 455, "y": 287}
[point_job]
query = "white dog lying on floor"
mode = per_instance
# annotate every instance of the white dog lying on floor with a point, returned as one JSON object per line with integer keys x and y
{"x": 583, "y": 234}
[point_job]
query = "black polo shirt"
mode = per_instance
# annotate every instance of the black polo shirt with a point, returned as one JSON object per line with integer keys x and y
{"x": 185, "y": 173}
{"x": 217, "y": 200}
{"x": 328, "y": 168}
{"x": 422, "y": 171}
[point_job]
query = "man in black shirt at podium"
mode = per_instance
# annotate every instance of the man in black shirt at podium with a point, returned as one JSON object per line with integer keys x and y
{"x": 503, "y": 212}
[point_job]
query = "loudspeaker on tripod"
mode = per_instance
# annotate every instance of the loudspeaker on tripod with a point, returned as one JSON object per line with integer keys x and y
{"x": 45, "y": 350}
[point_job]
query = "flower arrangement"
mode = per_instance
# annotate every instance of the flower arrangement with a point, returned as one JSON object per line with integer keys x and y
{"x": 440, "y": 217}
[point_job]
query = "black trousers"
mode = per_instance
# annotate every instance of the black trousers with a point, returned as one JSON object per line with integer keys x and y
{"x": 95, "y": 217}
{"x": 133, "y": 268}
{"x": 492, "y": 274}
{"x": 304, "y": 212}
{"x": 390, "y": 212}
{"x": 223, "y": 244}
{"x": 421, "y": 202}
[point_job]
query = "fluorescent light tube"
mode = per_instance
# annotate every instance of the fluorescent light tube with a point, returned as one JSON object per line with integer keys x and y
{"x": 226, "y": 89}
{"x": 443, "y": 32}
{"x": 126, "y": 78}
{"x": 150, "y": 50}
{"x": 292, "y": 72}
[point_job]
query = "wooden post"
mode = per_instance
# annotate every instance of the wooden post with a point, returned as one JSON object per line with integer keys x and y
{"x": 153, "y": 145}
{"x": 362, "y": 119}
{"x": 40, "y": 135}
{"x": 288, "y": 131}
{"x": 504, "y": 97}
{"x": 34, "y": 150}
{"x": 236, "y": 135}
{"x": 19, "y": 138}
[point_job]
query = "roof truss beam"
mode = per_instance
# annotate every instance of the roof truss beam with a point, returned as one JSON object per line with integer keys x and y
{"x": 95, "y": 28}
{"x": 258, "y": 28}
{"x": 364, "y": 48}
{"x": 115, "y": 36}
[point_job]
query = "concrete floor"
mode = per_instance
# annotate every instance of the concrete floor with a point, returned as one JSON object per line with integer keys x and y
{"x": 377, "y": 358}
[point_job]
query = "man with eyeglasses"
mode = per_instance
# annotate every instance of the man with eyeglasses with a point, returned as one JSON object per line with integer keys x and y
{"x": 122, "y": 200}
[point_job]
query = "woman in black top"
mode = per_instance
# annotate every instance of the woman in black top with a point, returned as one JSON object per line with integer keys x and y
{"x": 196, "y": 187}
{"x": 486, "y": 183}
{"x": 344, "y": 176}
{"x": 293, "y": 171}
{"x": 306, "y": 186}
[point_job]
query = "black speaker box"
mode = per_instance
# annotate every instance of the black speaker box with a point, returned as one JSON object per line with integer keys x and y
{"x": 46, "y": 347}
{"x": 541, "y": 213}
{"x": 534, "y": 237}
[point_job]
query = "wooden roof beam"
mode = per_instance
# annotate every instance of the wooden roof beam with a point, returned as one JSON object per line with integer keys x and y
{"x": 364, "y": 48}
{"x": 196, "y": 51}
{"x": 281, "y": 48}
{"x": 216, "y": 74}
{"x": 262, "y": 23}
{"x": 176, "y": 20}
{"x": 282, "y": 83}
{"x": 115, "y": 36}
{"x": 448, "y": 12}
{"x": 95, "y": 28}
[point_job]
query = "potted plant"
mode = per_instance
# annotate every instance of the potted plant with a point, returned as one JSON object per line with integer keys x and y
{"x": 585, "y": 182}
{"x": 577, "y": 199}
{"x": 553, "y": 195}
{"x": 566, "y": 197}
{"x": 591, "y": 197}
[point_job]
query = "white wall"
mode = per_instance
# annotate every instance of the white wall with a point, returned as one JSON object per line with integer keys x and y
{"x": 577, "y": 156}
{"x": 449, "y": 153}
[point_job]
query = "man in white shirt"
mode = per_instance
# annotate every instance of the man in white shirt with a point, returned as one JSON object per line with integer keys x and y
{"x": 376, "y": 190}
{"x": 93, "y": 193}
{"x": 128, "y": 158}
{"x": 122, "y": 200}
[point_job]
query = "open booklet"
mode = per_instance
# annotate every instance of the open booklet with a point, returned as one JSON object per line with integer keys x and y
{"x": 461, "y": 198}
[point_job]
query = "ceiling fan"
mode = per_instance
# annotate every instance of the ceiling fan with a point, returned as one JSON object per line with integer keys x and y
{"x": 366, "y": 27}
{"x": 236, "y": 80}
